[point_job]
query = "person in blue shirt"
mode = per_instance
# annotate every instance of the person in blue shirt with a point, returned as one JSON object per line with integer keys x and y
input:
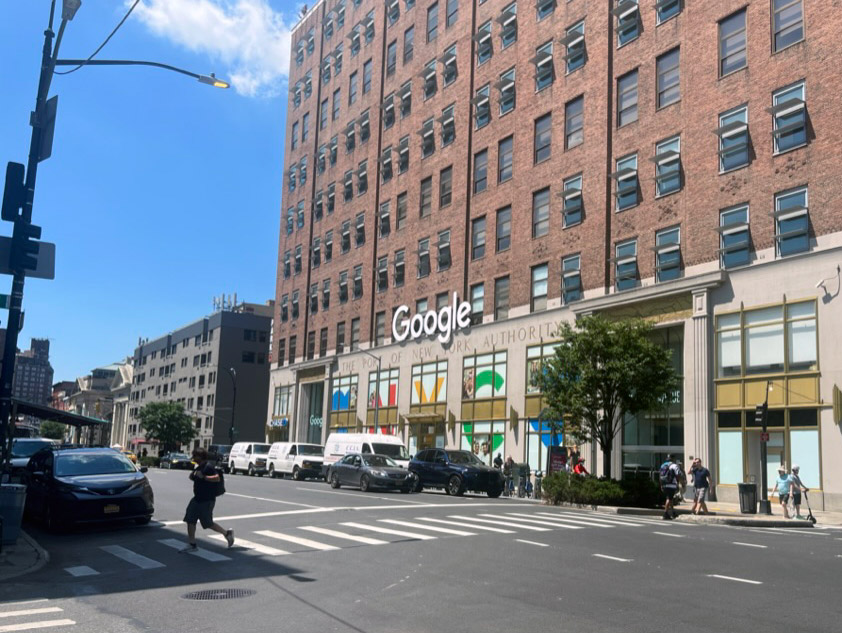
{"x": 783, "y": 487}
{"x": 701, "y": 486}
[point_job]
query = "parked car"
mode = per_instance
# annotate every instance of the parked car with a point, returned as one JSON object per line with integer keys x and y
{"x": 249, "y": 457}
{"x": 455, "y": 472}
{"x": 219, "y": 454}
{"x": 370, "y": 471}
{"x": 176, "y": 460}
{"x": 340, "y": 444}
{"x": 25, "y": 447}
{"x": 68, "y": 486}
{"x": 295, "y": 458}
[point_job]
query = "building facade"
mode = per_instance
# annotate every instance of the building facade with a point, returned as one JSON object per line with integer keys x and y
{"x": 523, "y": 163}
{"x": 199, "y": 366}
{"x": 33, "y": 378}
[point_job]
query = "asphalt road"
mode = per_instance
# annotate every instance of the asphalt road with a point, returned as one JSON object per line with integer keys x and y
{"x": 319, "y": 559}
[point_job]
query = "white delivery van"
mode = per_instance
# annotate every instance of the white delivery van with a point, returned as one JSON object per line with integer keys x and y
{"x": 295, "y": 458}
{"x": 248, "y": 457}
{"x": 340, "y": 444}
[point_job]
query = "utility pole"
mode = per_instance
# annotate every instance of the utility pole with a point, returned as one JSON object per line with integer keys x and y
{"x": 761, "y": 414}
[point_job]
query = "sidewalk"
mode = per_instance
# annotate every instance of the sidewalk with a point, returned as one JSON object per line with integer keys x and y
{"x": 23, "y": 557}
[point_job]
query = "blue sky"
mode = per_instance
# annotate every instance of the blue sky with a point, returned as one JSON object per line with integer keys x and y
{"x": 161, "y": 192}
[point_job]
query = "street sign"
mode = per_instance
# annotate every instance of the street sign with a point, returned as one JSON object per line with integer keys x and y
{"x": 48, "y": 128}
{"x": 46, "y": 260}
{"x": 764, "y": 437}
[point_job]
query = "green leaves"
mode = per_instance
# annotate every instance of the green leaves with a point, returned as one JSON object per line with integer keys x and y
{"x": 167, "y": 423}
{"x": 53, "y": 430}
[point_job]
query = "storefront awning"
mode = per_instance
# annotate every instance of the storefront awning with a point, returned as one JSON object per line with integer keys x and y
{"x": 44, "y": 412}
{"x": 428, "y": 418}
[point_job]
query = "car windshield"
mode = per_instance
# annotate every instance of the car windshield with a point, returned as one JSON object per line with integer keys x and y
{"x": 310, "y": 450}
{"x": 261, "y": 449}
{"x": 178, "y": 456}
{"x": 27, "y": 449}
{"x": 462, "y": 457}
{"x": 73, "y": 464}
{"x": 380, "y": 461}
{"x": 395, "y": 451}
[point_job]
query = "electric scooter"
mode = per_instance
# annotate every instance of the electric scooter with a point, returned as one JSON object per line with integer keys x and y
{"x": 810, "y": 516}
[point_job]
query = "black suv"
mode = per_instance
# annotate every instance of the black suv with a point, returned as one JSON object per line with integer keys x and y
{"x": 456, "y": 472}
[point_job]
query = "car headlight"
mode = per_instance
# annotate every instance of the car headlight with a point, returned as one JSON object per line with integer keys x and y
{"x": 379, "y": 473}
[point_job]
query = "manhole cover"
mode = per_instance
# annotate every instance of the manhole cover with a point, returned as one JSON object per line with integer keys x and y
{"x": 218, "y": 594}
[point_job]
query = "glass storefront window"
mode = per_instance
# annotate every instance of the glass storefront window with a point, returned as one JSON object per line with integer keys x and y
{"x": 429, "y": 383}
{"x": 283, "y": 396}
{"x": 535, "y": 356}
{"x": 539, "y": 438}
{"x": 728, "y": 343}
{"x": 484, "y": 439}
{"x": 764, "y": 340}
{"x": 730, "y": 457}
{"x": 801, "y": 336}
{"x": 344, "y": 394}
{"x": 484, "y": 376}
{"x": 388, "y": 388}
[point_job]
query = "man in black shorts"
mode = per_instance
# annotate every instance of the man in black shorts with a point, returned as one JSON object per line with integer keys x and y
{"x": 200, "y": 509}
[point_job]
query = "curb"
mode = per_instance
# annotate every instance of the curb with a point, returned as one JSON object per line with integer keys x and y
{"x": 42, "y": 557}
{"x": 746, "y": 522}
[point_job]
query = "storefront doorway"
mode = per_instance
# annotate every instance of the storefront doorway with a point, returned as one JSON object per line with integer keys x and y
{"x": 313, "y": 397}
{"x": 425, "y": 435}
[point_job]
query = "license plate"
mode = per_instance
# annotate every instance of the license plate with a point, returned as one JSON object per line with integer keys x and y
{"x": 111, "y": 508}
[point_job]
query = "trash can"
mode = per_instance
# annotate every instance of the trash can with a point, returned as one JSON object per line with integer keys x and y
{"x": 12, "y": 498}
{"x": 748, "y": 497}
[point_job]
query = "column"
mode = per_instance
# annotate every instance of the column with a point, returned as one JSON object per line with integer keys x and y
{"x": 701, "y": 383}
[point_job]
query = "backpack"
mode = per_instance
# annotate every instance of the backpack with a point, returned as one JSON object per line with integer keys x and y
{"x": 220, "y": 485}
{"x": 667, "y": 474}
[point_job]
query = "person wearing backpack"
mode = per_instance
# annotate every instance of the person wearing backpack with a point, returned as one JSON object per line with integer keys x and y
{"x": 669, "y": 476}
{"x": 208, "y": 484}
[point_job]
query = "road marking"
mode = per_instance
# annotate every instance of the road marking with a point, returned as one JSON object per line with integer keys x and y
{"x": 473, "y": 526}
{"x": 510, "y": 524}
{"x": 588, "y": 518}
{"x": 131, "y": 557}
{"x": 343, "y": 535}
{"x": 750, "y": 545}
{"x": 428, "y": 527}
{"x": 559, "y": 522}
{"x": 520, "y": 540}
{"x": 19, "y": 602}
{"x": 745, "y": 580}
{"x": 261, "y": 515}
{"x": 29, "y": 626}
{"x": 382, "y": 530}
{"x": 81, "y": 570}
{"x": 23, "y": 612}
{"x": 356, "y": 494}
{"x": 289, "y": 503}
{"x": 620, "y": 560}
{"x": 257, "y": 547}
{"x": 297, "y": 540}
{"x": 519, "y": 521}
{"x": 668, "y": 534}
{"x": 200, "y": 553}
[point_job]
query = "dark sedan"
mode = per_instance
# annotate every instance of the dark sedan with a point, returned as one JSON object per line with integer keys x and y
{"x": 370, "y": 471}
{"x": 455, "y": 472}
{"x": 176, "y": 460}
{"x": 86, "y": 485}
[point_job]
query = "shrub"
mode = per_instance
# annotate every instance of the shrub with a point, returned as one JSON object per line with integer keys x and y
{"x": 562, "y": 487}
{"x": 149, "y": 461}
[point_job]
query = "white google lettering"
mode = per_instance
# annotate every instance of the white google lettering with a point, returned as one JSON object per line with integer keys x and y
{"x": 445, "y": 322}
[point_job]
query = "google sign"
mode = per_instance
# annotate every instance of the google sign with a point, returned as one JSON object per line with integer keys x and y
{"x": 445, "y": 322}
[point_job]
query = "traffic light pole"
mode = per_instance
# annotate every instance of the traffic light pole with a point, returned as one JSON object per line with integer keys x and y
{"x": 765, "y": 504}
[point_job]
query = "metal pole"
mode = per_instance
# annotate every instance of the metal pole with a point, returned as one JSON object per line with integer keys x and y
{"x": 377, "y": 399}
{"x": 233, "y": 374}
{"x": 765, "y": 504}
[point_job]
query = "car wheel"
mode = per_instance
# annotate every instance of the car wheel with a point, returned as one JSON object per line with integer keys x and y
{"x": 406, "y": 490}
{"x": 231, "y": 469}
{"x": 419, "y": 487}
{"x": 272, "y": 473}
{"x": 454, "y": 486}
{"x": 251, "y": 470}
{"x": 334, "y": 479}
{"x": 365, "y": 483}
{"x": 493, "y": 494}
{"x": 296, "y": 474}
{"x": 143, "y": 520}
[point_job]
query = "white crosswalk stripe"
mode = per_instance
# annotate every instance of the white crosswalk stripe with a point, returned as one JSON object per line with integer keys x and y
{"x": 428, "y": 527}
{"x": 31, "y": 626}
{"x": 472, "y": 526}
{"x": 556, "y": 522}
{"x": 297, "y": 540}
{"x": 383, "y": 530}
{"x": 81, "y": 570}
{"x": 342, "y": 535}
{"x": 132, "y": 557}
{"x": 16, "y": 612}
{"x": 510, "y": 524}
{"x": 530, "y": 522}
{"x": 257, "y": 547}
{"x": 213, "y": 557}
{"x": 23, "y": 612}
{"x": 573, "y": 517}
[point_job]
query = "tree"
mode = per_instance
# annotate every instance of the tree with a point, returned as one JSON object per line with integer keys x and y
{"x": 53, "y": 430}
{"x": 167, "y": 423}
{"x": 601, "y": 371}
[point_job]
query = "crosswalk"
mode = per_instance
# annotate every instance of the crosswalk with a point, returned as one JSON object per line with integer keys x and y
{"x": 32, "y": 615}
{"x": 374, "y": 532}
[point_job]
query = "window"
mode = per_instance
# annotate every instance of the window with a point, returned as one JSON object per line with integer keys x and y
{"x": 789, "y": 109}
{"x": 788, "y": 23}
{"x": 385, "y": 227}
{"x": 400, "y": 265}
{"x": 317, "y": 252}
{"x": 299, "y": 212}
{"x": 337, "y": 59}
{"x": 329, "y": 245}
{"x": 485, "y": 49}
{"x": 340, "y": 337}
{"x": 424, "y": 257}
{"x": 337, "y": 94}
{"x": 408, "y": 44}
{"x": 667, "y": 166}
{"x": 292, "y": 341}
{"x": 400, "y": 212}
{"x": 321, "y": 159}
{"x": 544, "y": 8}
{"x": 478, "y": 238}
{"x": 734, "y": 240}
{"x": 281, "y": 352}
{"x": 445, "y": 187}
{"x": 538, "y": 300}
{"x": 508, "y": 21}
{"x": 343, "y": 286}
{"x": 448, "y": 126}
{"x": 362, "y": 178}
{"x": 352, "y": 88}
{"x": 386, "y": 164}
{"x": 543, "y": 136}
{"x": 403, "y": 155}
{"x": 326, "y": 294}
{"x": 626, "y": 189}
{"x": 504, "y": 228}
{"x": 367, "y": 76}
{"x": 544, "y": 70}
{"x": 480, "y": 171}
{"x": 428, "y": 140}
{"x": 294, "y": 135}
{"x": 393, "y": 11}
{"x": 350, "y": 139}
{"x": 732, "y": 43}
{"x": 432, "y": 22}
{"x": 360, "y": 229}
{"x": 382, "y": 274}
{"x": 668, "y": 254}
{"x": 314, "y": 298}
{"x": 379, "y": 328}
{"x": 452, "y": 8}
{"x": 627, "y": 99}
{"x": 388, "y": 107}
{"x": 574, "y": 122}
{"x": 573, "y": 208}
{"x": 287, "y": 259}
{"x": 358, "y": 282}
{"x": 669, "y": 90}
{"x": 344, "y": 389}
{"x": 625, "y": 265}
{"x": 406, "y": 99}
{"x": 666, "y": 9}
{"x": 792, "y": 222}
{"x": 368, "y": 24}
{"x": 391, "y": 58}
{"x": 505, "y": 159}
{"x": 430, "y": 383}
{"x": 295, "y": 310}
{"x": 571, "y": 279}
{"x": 384, "y": 394}
{"x": 628, "y": 21}
{"x": 508, "y": 95}
{"x": 541, "y": 213}
{"x": 323, "y": 342}
{"x": 346, "y": 236}
{"x": 365, "y": 127}
{"x": 441, "y": 300}
{"x": 305, "y": 126}
{"x": 297, "y": 259}
{"x": 285, "y": 308}
{"x": 482, "y": 105}
{"x": 574, "y": 41}
{"x": 426, "y": 197}
{"x": 501, "y": 298}
{"x": 292, "y": 177}
{"x": 733, "y": 139}
{"x": 355, "y": 40}
{"x": 444, "y": 259}
{"x": 477, "y": 302}
{"x": 334, "y": 146}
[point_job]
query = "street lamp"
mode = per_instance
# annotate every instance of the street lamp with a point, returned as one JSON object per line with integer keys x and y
{"x": 376, "y": 390}
{"x": 211, "y": 79}
{"x": 233, "y": 374}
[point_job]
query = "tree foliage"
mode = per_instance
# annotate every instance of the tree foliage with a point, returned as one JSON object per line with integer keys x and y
{"x": 601, "y": 371}
{"x": 53, "y": 430}
{"x": 167, "y": 423}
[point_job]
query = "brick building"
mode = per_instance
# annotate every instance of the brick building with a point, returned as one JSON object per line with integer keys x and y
{"x": 543, "y": 160}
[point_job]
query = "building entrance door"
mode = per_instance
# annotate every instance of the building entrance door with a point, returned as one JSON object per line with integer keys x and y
{"x": 314, "y": 397}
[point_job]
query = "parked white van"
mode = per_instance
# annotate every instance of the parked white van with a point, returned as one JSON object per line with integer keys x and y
{"x": 339, "y": 444}
{"x": 248, "y": 457}
{"x": 295, "y": 458}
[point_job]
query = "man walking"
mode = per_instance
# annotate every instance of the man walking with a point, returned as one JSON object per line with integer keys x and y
{"x": 701, "y": 486}
{"x": 669, "y": 476}
{"x": 797, "y": 488}
{"x": 200, "y": 509}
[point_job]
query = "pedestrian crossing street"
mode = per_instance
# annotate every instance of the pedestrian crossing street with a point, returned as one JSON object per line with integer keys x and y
{"x": 304, "y": 539}
{"x": 32, "y": 615}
